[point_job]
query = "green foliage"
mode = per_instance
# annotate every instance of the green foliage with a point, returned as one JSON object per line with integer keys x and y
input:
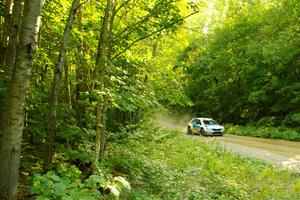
{"x": 69, "y": 185}
{"x": 51, "y": 186}
{"x": 265, "y": 131}
{"x": 247, "y": 66}
{"x": 292, "y": 119}
{"x": 3, "y": 12}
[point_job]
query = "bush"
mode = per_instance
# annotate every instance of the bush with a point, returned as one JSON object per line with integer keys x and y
{"x": 292, "y": 120}
{"x": 284, "y": 133}
{"x": 67, "y": 185}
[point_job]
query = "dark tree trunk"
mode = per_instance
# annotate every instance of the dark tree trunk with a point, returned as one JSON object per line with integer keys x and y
{"x": 14, "y": 35}
{"x": 9, "y": 39}
{"x": 79, "y": 108}
{"x": 56, "y": 85}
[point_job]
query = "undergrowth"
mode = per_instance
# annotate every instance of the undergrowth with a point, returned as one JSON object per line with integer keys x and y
{"x": 291, "y": 134}
{"x": 160, "y": 164}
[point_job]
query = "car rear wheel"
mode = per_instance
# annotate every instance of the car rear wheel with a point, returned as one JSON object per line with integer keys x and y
{"x": 189, "y": 131}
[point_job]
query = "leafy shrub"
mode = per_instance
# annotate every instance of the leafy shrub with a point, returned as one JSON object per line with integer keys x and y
{"x": 69, "y": 186}
{"x": 267, "y": 121}
{"x": 296, "y": 118}
{"x": 130, "y": 158}
{"x": 292, "y": 120}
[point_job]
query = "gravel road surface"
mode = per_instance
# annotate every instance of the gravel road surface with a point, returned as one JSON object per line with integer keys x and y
{"x": 281, "y": 153}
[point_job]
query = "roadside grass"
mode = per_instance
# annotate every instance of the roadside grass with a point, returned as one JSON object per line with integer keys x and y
{"x": 162, "y": 164}
{"x": 291, "y": 134}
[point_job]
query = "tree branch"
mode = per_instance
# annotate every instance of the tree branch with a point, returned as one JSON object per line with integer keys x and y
{"x": 151, "y": 34}
{"x": 121, "y": 6}
{"x": 147, "y": 17}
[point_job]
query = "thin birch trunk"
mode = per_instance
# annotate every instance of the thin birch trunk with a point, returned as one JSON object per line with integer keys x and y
{"x": 68, "y": 87}
{"x": 12, "y": 118}
{"x": 56, "y": 85}
{"x": 79, "y": 72}
{"x": 101, "y": 104}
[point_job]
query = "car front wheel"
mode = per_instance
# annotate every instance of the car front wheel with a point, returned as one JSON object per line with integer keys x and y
{"x": 202, "y": 132}
{"x": 189, "y": 131}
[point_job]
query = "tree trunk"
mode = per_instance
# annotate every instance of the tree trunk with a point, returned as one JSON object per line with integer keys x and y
{"x": 14, "y": 35}
{"x": 12, "y": 118}
{"x": 79, "y": 108}
{"x": 103, "y": 127}
{"x": 9, "y": 38}
{"x": 79, "y": 73}
{"x": 101, "y": 104}
{"x": 68, "y": 87}
{"x": 56, "y": 85}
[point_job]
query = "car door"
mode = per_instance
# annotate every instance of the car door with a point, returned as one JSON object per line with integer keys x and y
{"x": 196, "y": 125}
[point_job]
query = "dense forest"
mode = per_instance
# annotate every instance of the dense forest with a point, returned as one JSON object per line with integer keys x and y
{"x": 81, "y": 82}
{"x": 247, "y": 68}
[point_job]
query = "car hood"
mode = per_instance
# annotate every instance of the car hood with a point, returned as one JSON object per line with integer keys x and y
{"x": 214, "y": 126}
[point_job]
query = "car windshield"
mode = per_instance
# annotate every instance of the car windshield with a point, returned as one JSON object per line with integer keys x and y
{"x": 210, "y": 122}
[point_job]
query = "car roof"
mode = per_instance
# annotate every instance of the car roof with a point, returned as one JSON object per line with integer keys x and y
{"x": 202, "y": 118}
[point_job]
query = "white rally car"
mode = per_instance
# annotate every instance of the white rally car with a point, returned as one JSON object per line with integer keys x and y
{"x": 205, "y": 126}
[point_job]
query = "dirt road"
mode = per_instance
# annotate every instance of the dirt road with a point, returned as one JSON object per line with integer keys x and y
{"x": 279, "y": 152}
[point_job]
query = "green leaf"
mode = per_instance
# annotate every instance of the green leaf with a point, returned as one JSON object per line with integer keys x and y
{"x": 59, "y": 188}
{"x": 42, "y": 198}
{"x": 52, "y": 176}
{"x": 66, "y": 198}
